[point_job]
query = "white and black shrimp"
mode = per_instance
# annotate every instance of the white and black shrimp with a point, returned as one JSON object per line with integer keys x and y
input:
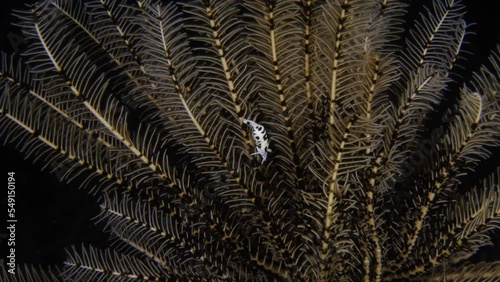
{"x": 260, "y": 137}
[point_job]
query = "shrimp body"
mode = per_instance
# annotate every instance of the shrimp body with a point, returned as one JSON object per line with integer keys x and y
{"x": 260, "y": 137}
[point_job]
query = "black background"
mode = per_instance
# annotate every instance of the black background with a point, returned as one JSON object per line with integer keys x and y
{"x": 52, "y": 216}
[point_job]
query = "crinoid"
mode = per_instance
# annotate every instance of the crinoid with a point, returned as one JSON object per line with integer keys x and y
{"x": 383, "y": 165}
